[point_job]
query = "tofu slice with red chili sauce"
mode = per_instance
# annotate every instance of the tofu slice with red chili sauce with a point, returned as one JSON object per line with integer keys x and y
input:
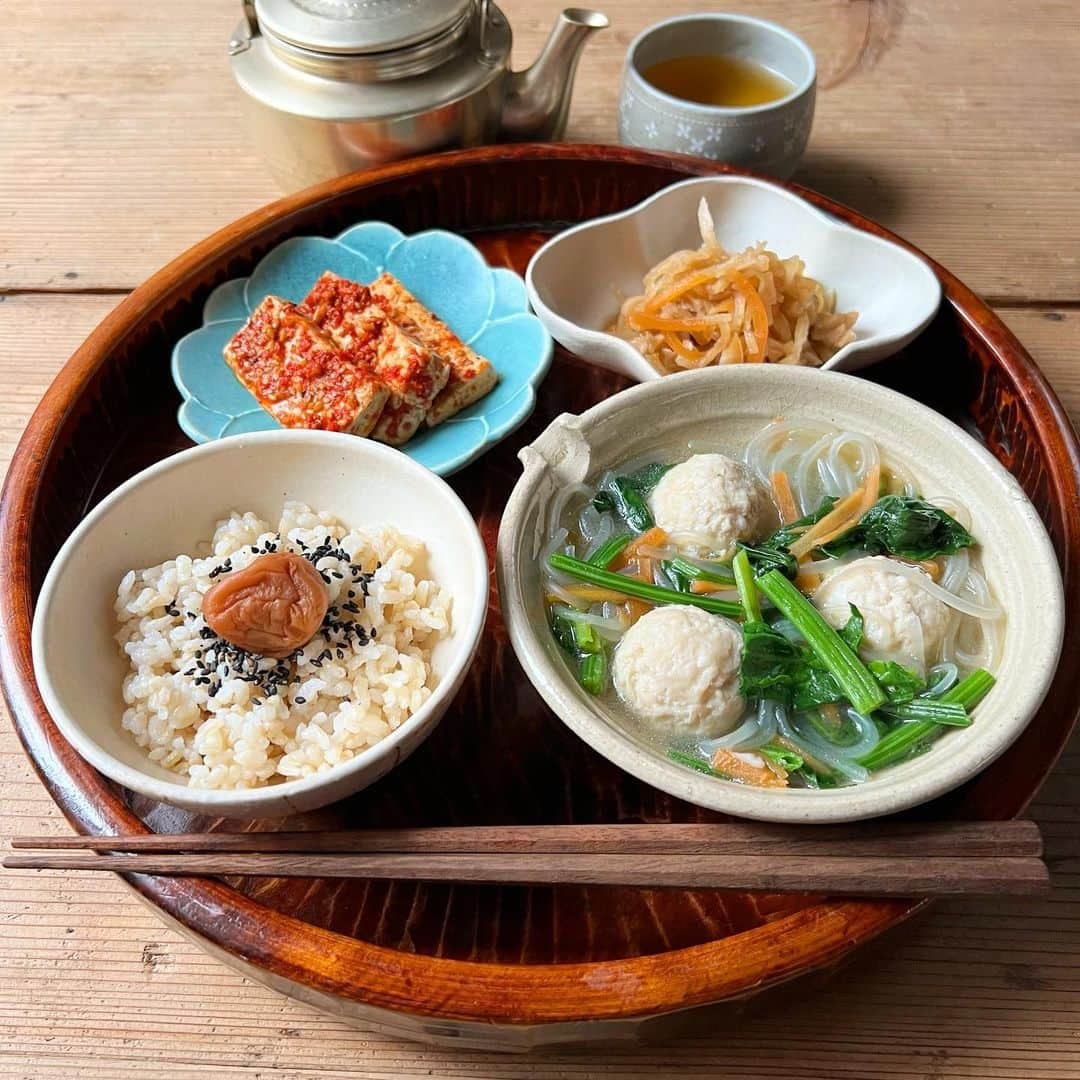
{"x": 399, "y": 422}
{"x": 413, "y": 374}
{"x": 471, "y": 375}
{"x": 300, "y": 375}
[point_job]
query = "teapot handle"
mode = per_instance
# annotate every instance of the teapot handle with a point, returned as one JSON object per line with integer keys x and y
{"x": 247, "y": 29}
{"x": 488, "y": 21}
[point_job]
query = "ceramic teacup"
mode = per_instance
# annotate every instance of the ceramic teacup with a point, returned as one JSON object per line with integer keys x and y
{"x": 770, "y": 138}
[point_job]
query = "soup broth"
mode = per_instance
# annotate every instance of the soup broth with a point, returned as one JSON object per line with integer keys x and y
{"x": 927, "y": 637}
{"x": 728, "y": 81}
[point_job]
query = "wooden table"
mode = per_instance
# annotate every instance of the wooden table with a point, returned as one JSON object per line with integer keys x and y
{"x": 121, "y": 143}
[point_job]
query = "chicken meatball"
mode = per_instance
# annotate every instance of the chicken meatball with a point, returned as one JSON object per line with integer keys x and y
{"x": 901, "y": 620}
{"x": 713, "y": 501}
{"x": 678, "y": 669}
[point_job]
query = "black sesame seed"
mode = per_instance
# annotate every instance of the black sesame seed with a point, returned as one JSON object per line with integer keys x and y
{"x": 300, "y": 701}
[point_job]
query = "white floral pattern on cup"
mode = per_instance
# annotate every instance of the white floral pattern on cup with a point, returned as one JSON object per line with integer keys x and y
{"x": 770, "y": 137}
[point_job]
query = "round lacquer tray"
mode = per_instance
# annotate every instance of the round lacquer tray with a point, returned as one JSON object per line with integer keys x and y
{"x": 507, "y": 966}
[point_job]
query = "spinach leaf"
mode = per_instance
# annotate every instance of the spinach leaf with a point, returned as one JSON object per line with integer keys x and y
{"x": 773, "y": 554}
{"x": 786, "y": 759}
{"x": 563, "y": 629}
{"x": 628, "y": 504}
{"x": 777, "y": 669}
{"x": 813, "y": 779}
{"x": 904, "y": 525}
{"x": 763, "y": 559}
{"x": 813, "y": 686}
{"x": 635, "y": 487}
{"x": 769, "y": 662}
{"x": 852, "y": 631}
{"x": 781, "y": 670}
{"x": 900, "y": 684}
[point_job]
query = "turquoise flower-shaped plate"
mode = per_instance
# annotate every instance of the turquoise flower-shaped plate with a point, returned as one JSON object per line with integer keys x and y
{"x": 485, "y": 307}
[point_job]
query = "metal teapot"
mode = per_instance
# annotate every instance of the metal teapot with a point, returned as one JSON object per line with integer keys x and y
{"x": 337, "y": 85}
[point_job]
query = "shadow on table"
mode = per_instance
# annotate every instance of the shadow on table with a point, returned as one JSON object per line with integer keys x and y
{"x": 855, "y": 181}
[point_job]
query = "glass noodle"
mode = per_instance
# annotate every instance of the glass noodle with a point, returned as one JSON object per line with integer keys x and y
{"x": 818, "y": 462}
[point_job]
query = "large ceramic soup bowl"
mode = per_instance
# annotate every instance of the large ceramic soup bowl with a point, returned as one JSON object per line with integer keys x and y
{"x": 362, "y": 706}
{"x": 721, "y": 410}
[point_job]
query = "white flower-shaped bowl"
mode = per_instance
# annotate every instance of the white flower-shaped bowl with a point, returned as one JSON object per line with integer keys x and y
{"x": 739, "y": 401}
{"x": 173, "y": 506}
{"x": 577, "y": 280}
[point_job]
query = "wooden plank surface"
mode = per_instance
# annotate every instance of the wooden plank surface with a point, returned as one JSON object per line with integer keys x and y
{"x": 121, "y": 144}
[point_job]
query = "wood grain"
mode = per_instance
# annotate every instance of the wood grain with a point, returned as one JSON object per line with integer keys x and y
{"x": 667, "y": 957}
{"x": 123, "y": 141}
{"x": 836, "y": 875}
{"x": 115, "y": 953}
{"x": 955, "y": 124}
{"x": 879, "y": 840}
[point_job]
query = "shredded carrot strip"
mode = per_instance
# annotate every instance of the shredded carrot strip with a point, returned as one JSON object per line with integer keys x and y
{"x": 758, "y": 315}
{"x": 654, "y": 537}
{"x": 840, "y": 514}
{"x": 702, "y": 588}
{"x": 641, "y": 321}
{"x": 682, "y": 350}
{"x": 633, "y": 607}
{"x": 594, "y": 593}
{"x": 807, "y": 582}
{"x": 842, "y": 517}
{"x": 691, "y": 281}
{"x": 759, "y": 775}
{"x": 869, "y": 497}
{"x": 785, "y": 501}
{"x": 873, "y": 486}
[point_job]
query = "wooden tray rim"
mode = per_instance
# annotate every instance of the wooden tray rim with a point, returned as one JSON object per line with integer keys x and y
{"x": 453, "y": 989}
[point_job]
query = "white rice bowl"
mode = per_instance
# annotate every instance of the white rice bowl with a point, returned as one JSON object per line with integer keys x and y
{"x": 347, "y": 689}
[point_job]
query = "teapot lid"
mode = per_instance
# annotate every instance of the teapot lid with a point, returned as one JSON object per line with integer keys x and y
{"x": 357, "y": 27}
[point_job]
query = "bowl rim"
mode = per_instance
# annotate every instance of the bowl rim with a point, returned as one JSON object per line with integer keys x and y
{"x": 634, "y": 71}
{"x": 258, "y": 798}
{"x": 875, "y": 798}
{"x": 557, "y": 324}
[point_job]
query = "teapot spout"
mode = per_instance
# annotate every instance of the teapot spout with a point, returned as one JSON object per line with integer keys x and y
{"x": 538, "y": 99}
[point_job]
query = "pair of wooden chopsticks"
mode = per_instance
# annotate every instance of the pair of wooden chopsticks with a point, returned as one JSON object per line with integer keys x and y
{"x": 896, "y": 859}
